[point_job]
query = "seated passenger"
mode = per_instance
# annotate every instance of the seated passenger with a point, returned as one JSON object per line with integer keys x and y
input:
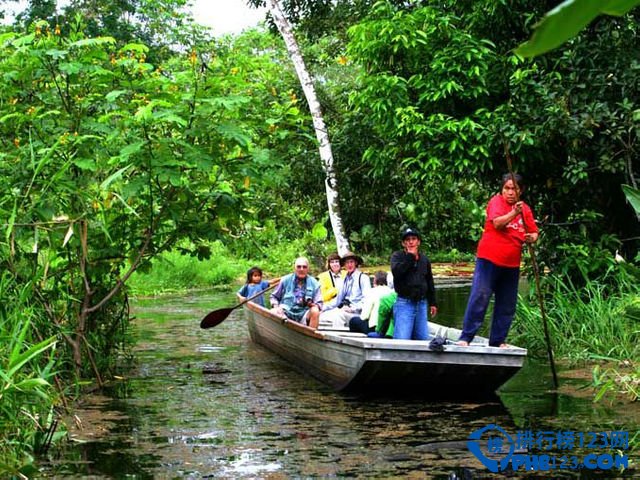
{"x": 385, "y": 326}
{"x": 297, "y": 297}
{"x": 368, "y": 318}
{"x": 331, "y": 279}
{"x": 349, "y": 301}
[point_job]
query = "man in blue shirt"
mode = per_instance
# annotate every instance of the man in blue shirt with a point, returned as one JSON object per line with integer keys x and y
{"x": 298, "y": 297}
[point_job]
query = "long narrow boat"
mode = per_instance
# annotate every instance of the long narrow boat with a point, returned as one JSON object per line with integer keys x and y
{"x": 350, "y": 361}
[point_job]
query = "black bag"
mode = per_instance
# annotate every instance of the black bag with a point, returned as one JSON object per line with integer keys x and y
{"x": 437, "y": 343}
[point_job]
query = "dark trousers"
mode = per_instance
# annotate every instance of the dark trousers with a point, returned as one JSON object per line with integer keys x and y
{"x": 489, "y": 279}
{"x": 356, "y": 324}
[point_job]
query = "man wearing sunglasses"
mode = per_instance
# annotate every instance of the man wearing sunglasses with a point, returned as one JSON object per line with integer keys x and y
{"x": 298, "y": 297}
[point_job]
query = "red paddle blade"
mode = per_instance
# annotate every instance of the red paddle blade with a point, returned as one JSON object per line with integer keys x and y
{"x": 215, "y": 318}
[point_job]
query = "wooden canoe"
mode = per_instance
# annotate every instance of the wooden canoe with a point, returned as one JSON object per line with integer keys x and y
{"x": 351, "y": 362}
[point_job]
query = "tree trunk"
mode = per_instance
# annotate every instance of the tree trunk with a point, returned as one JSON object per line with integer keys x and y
{"x": 326, "y": 156}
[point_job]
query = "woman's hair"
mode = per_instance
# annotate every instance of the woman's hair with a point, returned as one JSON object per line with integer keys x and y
{"x": 251, "y": 271}
{"x": 511, "y": 176}
{"x": 332, "y": 256}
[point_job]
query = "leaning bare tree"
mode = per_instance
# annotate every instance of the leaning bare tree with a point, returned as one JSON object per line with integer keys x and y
{"x": 326, "y": 156}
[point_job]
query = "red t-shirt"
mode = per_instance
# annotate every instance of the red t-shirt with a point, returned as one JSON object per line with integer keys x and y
{"x": 504, "y": 247}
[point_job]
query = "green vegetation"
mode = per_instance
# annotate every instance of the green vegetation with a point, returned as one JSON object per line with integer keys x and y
{"x": 108, "y": 161}
{"x": 27, "y": 397}
{"x": 586, "y": 319}
{"x": 568, "y": 19}
{"x": 594, "y": 323}
{"x": 174, "y": 272}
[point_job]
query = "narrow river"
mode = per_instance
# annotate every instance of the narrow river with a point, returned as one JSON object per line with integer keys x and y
{"x": 211, "y": 404}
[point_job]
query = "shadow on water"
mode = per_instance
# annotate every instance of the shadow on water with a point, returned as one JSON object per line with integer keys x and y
{"x": 210, "y": 404}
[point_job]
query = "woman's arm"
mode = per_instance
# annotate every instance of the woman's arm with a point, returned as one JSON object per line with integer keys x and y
{"x": 503, "y": 220}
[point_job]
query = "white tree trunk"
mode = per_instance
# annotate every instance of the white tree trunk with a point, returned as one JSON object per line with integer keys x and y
{"x": 326, "y": 156}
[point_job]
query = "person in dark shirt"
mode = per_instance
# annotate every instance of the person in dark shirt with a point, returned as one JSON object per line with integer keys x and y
{"x": 413, "y": 281}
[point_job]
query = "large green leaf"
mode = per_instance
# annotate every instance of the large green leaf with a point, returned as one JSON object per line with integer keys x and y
{"x": 132, "y": 148}
{"x": 6, "y": 37}
{"x": 135, "y": 47}
{"x": 618, "y": 7}
{"x": 567, "y": 20}
{"x": 86, "y": 164}
{"x": 17, "y": 361}
{"x": 71, "y": 68}
{"x": 168, "y": 117}
{"x": 114, "y": 94}
{"x": 57, "y": 53}
{"x": 633, "y": 196}
{"x": 234, "y": 132}
{"x": 113, "y": 177}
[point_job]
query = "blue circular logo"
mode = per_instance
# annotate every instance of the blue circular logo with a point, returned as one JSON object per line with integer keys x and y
{"x": 495, "y": 450}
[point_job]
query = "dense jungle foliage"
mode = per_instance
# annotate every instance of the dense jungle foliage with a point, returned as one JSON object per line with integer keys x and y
{"x": 127, "y": 132}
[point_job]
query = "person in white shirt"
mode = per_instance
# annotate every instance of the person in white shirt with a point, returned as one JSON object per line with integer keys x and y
{"x": 368, "y": 319}
{"x": 350, "y": 299}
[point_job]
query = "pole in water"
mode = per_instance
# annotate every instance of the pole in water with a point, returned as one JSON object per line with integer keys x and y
{"x": 536, "y": 274}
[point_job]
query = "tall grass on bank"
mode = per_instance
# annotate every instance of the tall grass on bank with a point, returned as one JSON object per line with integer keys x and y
{"x": 174, "y": 272}
{"x": 27, "y": 419}
{"x": 596, "y": 322}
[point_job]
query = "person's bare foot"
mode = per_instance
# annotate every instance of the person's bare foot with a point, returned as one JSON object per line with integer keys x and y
{"x": 462, "y": 343}
{"x": 504, "y": 345}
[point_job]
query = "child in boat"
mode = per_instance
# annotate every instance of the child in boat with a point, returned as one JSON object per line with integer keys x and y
{"x": 254, "y": 285}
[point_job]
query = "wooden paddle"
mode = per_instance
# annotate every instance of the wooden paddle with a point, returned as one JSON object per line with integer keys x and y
{"x": 216, "y": 317}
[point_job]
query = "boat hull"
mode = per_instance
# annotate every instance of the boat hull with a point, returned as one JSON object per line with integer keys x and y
{"x": 354, "y": 362}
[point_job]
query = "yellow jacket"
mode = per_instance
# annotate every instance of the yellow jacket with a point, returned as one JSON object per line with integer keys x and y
{"x": 329, "y": 286}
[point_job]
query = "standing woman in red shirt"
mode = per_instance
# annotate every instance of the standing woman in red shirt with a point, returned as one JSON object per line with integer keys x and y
{"x": 508, "y": 225}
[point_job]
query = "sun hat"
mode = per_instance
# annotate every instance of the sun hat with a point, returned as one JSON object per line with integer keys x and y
{"x": 349, "y": 255}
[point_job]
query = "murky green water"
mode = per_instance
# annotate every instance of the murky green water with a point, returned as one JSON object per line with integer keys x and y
{"x": 210, "y": 404}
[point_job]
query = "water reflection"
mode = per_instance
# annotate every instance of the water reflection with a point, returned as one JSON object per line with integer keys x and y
{"x": 210, "y": 404}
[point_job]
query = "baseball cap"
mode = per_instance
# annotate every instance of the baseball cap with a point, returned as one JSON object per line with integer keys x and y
{"x": 410, "y": 231}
